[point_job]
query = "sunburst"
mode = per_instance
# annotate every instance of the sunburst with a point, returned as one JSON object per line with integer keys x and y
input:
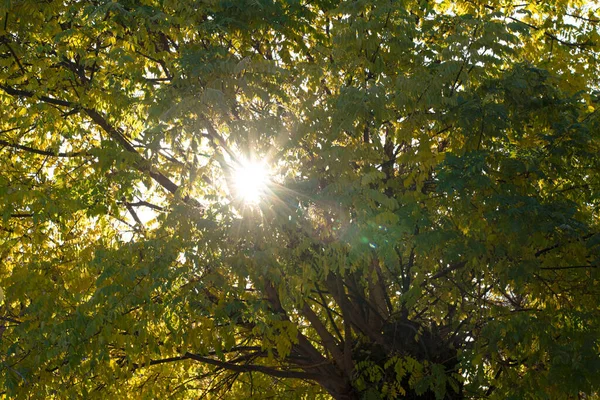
{"x": 251, "y": 180}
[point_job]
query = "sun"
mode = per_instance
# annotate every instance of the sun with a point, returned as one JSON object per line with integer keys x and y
{"x": 251, "y": 180}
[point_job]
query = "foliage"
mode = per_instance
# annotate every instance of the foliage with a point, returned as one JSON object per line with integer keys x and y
{"x": 431, "y": 229}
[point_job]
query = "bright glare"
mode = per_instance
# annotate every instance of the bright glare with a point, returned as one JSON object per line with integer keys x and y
{"x": 251, "y": 180}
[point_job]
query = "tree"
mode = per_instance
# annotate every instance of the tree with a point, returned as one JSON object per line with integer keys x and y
{"x": 429, "y": 228}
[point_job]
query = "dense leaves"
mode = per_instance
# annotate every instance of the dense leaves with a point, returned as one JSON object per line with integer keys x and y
{"x": 430, "y": 229}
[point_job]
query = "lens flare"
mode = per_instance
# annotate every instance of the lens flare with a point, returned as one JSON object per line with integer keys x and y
{"x": 251, "y": 181}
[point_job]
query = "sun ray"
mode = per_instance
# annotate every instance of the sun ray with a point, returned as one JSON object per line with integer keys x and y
{"x": 251, "y": 180}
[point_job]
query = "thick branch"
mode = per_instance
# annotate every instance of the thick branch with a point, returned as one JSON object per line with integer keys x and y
{"x": 377, "y": 292}
{"x": 253, "y": 368}
{"x": 304, "y": 346}
{"x": 327, "y": 339}
{"x": 349, "y": 311}
{"x": 329, "y": 314}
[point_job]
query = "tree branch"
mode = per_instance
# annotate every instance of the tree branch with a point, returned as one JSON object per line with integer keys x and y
{"x": 12, "y": 52}
{"x": 559, "y": 244}
{"x": 350, "y": 313}
{"x": 146, "y": 204}
{"x": 569, "y": 267}
{"x": 253, "y": 368}
{"x": 304, "y": 346}
{"x": 329, "y": 313}
{"x": 548, "y": 34}
{"x": 43, "y": 152}
{"x": 21, "y": 215}
{"x": 327, "y": 339}
{"x": 114, "y": 133}
{"x": 45, "y": 99}
{"x": 450, "y": 268}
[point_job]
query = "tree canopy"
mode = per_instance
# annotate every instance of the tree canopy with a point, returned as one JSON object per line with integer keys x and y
{"x": 428, "y": 226}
